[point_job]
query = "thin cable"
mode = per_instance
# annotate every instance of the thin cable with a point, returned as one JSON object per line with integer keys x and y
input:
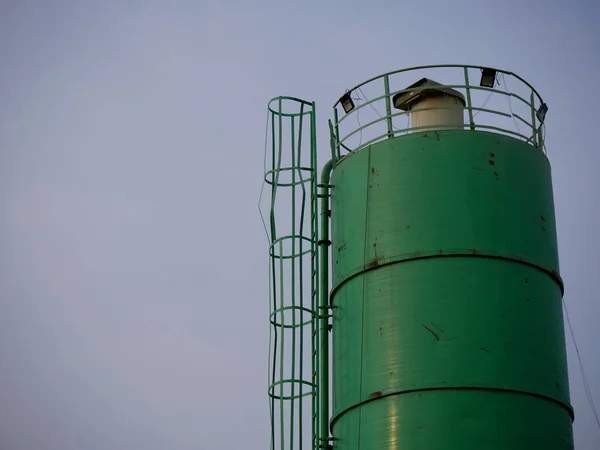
{"x": 544, "y": 149}
{"x": 262, "y": 188}
{"x": 484, "y": 103}
{"x": 373, "y": 108}
{"x": 370, "y": 104}
{"x": 357, "y": 98}
{"x": 586, "y": 385}
{"x": 509, "y": 95}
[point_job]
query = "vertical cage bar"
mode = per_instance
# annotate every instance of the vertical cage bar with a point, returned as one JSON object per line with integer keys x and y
{"x": 293, "y": 283}
{"x": 298, "y": 162}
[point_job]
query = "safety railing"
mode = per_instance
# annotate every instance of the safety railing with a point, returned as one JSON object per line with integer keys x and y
{"x": 489, "y": 106}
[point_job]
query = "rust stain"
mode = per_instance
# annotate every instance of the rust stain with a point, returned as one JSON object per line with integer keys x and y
{"x": 492, "y": 154}
{"x": 372, "y": 170}
{"x": 437, "y": 338}
{"x": 373, "y": 264}
{"x": 492, "y": 162}
{"x": 474, "y": 251}
{"x": 374, "y": 244}
{"x": 375, "y": 394}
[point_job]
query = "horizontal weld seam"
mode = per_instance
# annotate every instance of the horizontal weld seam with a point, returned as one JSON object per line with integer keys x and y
{"x": 555, "y": 277}
{"x": 562, "y": 404}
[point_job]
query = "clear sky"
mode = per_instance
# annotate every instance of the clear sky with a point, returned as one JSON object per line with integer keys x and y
{"x": 133, "y": 289}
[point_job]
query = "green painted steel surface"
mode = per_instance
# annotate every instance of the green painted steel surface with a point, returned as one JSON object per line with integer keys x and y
{"x": 447, "y": 319}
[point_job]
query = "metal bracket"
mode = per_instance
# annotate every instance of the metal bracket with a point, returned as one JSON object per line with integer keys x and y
{"x": 328, "y": 444}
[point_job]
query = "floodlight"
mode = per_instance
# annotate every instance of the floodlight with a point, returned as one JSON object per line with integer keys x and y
{"x": 541, "y": 112}
{"x": 488, "y": 77}
{"x": 347, "y": 102}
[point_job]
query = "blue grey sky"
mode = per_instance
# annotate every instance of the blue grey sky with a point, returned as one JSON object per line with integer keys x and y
{"x": 133, "y": 283}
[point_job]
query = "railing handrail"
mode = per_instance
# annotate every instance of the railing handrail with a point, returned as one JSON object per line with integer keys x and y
{"x": 445, "y": 66}
{"x": 535, "y": 139}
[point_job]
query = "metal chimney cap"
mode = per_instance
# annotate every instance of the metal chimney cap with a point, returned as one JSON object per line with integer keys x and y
{"x": 405, "y": 100}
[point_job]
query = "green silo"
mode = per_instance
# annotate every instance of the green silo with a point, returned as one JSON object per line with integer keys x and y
{"x": 446, "y": 298}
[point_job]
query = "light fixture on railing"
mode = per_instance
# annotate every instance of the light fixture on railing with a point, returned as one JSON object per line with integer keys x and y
{"x": 347, "y": 103}
{"x": 541, "y": 112}
{"x": 488, "y": 77}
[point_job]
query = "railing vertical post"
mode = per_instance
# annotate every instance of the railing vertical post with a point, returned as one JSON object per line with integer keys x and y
{"x": 337, "y": 135}
{"x": 388, "y": 106}
{"x": 533, "y": 125}
{"x": 469, "y": 106}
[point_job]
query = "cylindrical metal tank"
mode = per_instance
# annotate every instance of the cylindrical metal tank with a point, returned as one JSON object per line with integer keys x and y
{"x": 446, "y": 297}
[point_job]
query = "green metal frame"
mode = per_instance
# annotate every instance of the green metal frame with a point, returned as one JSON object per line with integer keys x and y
{"x": 535, "y": 138}
{"x": 294, "y": 310}
{"x": 305, "y": 189}
{"x": 288, "y": 383}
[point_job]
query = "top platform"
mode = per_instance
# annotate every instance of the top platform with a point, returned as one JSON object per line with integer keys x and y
{"x": 466, "y": 97}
